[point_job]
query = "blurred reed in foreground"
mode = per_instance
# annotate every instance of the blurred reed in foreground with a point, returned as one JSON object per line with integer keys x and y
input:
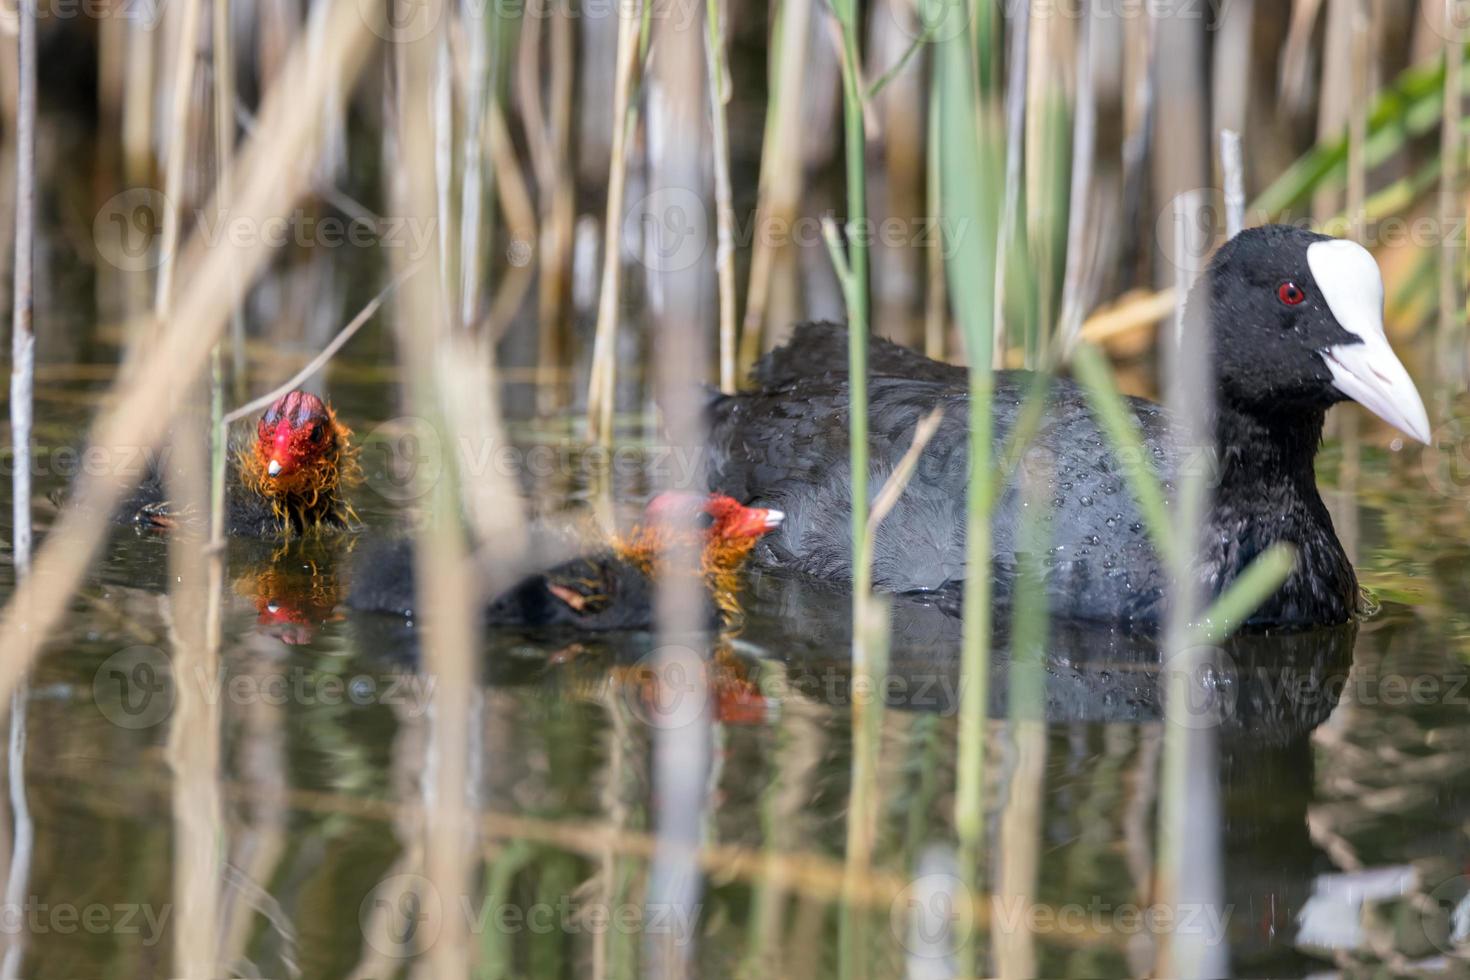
{"x": 653, "y": 222}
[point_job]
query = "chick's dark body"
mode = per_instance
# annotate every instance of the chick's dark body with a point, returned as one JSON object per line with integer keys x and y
{"x": 247, "y": 513}
{"x": 595, "y": 592}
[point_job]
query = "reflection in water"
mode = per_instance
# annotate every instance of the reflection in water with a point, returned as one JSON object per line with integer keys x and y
{"x": 1095, "y": 700}
{"x": 298, "y": 587}
{"x": 1341, "y": 808}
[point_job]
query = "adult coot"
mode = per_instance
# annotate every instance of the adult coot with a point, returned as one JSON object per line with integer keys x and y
{"x": 1296, "y": 323}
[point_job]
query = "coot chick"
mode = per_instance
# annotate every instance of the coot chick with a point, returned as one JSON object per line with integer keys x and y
{"x": 611, "y": 588}
{"x": 1296, "y": 325}
{"x": 289, "y": 480}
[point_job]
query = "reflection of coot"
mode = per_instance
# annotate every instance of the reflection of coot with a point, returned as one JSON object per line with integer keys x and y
{"x": 1267, "y": 692}
{"x": 1261, "y": 689}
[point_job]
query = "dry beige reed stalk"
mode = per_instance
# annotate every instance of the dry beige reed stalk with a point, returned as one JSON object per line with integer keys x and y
{"x": 22, "y": 392}
{"x": 175, "y": 157}
{"x": 779, "y": 191}
{"x": 22, "y": 334}
{"x": 719, "y": 95}
{"x": 194, "y": 732}
{"x": 270, "y": 180}
{"x": 451, "y": 383}
{"x": 602, "y": 386}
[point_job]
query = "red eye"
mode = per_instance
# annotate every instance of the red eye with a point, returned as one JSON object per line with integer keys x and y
{"x": 1290, "y": 293}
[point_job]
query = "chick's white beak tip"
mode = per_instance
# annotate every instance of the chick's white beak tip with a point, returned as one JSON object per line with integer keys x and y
{"x": 274, "y": 469}
{"x": 774, "y": 518}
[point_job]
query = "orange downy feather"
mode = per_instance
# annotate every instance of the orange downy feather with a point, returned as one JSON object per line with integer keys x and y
{"x": 720, "y": 561}
{"x": 311, "y": 496}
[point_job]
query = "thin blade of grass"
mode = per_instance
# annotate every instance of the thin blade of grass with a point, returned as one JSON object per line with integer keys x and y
{"x": 1241, "y": 598}
{"x": 898, "y": 480}
{"x": 1409, "y": 108}
{"x": 1090, "y": 368}
{"x": 970, "y": 143}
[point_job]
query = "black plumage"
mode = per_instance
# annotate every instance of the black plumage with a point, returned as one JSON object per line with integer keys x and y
{"x": 1276, "y": 356}
{"x": 247, "y": 513}
{"x": 596, "y": 592}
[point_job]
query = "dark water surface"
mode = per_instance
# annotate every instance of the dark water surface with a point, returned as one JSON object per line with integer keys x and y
{"x": 1339, "y": 764}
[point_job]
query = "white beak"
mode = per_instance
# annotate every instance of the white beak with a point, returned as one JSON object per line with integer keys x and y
{"x": 274, "y": 469}
{"x": 1367, "y": 372}
{"x": 774, "y": 518}
{"x": 1372, "y": 376}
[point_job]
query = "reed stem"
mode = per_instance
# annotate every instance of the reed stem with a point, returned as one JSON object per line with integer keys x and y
{"x": 971, "y": 186}
{"x": 176, "y": 156}
{"x": 224, "y": 148}
{"x": 855, "y": 292}
{"x": 22, "y": 335}
{"x": 1232, "y": 168}
{"x": 719, "y": 73}
{"x": 1451, "y": 258}
{"x": 780, "y": 174}
{"x": 602, "y": 386}
{"x": 22, "y": 394}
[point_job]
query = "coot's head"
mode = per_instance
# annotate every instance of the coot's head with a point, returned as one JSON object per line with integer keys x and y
{"x": 1297, "y": 321}
{"x": 297, "y": 444}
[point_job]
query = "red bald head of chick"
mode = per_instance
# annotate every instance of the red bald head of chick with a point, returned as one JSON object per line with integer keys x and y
{"x": 721, "y": 518}
{"x": 726, "y": 532}
{"x": 301, "y": 460}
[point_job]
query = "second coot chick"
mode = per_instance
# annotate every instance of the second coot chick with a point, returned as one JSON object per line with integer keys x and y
{"x": 1295, "y": 321}
{"x": 611, "y": 588}
{"x": 289, "y": 480}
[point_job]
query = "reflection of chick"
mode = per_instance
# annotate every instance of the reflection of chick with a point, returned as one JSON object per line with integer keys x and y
{"x": 293, "y": 593}
{"x": 731, "y": 694}
{"x": 288, "y": 481}
{"x": 609, "y": 589}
